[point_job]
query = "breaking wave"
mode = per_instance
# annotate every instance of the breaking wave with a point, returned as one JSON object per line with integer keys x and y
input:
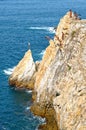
{"x": 27, "y": 108}
{"x": 28, "y": 91}
{"x": 49, "y": 29}
{"x": 9, "y": 71}
{"x": 42, "y": 53}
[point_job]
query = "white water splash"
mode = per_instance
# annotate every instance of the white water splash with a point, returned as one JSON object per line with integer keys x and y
{"x": 27, "y": 108}
{"x": 28, "y": 91}
{"x": 49, "y": 29}
{"x": 42, "y": 120}
{"x": 9, "y": 71}
{"x": 42, "y": 52}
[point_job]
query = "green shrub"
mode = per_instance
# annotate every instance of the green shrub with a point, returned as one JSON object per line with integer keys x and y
{"x": 73, "y": 33}
{"x": 69, "y": 67}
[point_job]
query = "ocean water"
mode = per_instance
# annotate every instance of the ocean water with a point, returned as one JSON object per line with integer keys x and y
{"x": 23, "y": 21}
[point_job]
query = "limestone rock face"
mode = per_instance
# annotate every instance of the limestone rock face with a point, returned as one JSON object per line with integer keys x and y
{"x": 23, "y": 74}
{"x": 52, "y": 58}
{"x": 61, "y": 77}
{"x": 70, "y": 83}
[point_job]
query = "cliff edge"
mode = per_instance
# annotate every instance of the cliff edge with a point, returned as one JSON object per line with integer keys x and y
{"x": 60, "y": 80}
{"x": 24, "y": 73}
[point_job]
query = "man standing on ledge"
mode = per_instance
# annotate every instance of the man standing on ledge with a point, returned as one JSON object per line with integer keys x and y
{"x": 70, "y": 13}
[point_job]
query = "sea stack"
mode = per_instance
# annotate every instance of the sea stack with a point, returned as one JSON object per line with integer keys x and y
{"x": 23, "y": 74}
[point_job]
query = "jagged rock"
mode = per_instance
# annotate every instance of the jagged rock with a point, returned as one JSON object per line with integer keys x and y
{"x": 23, "y": 74}
{"x": 61, "y": 77}
{"x": 37, "y": 63}
{"x": 47, "y": 68}
{"x": 70, "y": 106}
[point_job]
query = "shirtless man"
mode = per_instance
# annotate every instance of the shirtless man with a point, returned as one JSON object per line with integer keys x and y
{"x": 70, "y": 13}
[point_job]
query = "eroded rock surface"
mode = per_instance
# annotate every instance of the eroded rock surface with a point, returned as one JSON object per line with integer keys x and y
{"x": 23, "y": 74}
{"x": 60, "y": 79}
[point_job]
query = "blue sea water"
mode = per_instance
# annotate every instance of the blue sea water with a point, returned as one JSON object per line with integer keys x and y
{"x": 23, "y": 21}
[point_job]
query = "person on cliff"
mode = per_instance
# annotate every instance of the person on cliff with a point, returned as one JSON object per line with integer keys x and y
{"x": 70, "y": 13}
{"x": 29, "y": 45}
{"x": 77, "y": 16}
{"x": 62, "y": 36}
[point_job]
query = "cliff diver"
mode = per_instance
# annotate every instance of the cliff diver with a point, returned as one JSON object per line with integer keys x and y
{"x": 48, "y": 38}
{"x": 77, "y": 16}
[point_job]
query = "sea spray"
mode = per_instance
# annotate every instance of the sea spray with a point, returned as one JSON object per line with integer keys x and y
{"x": 8, "y": 71}
{"x": 49, "y": 29}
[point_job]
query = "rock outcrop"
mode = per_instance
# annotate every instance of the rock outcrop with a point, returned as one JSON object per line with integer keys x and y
{"x": 60, "y": 78}
{"x": 23, "y": 75}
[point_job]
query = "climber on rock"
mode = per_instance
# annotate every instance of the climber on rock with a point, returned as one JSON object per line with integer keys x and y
{"x": 70, "y": 13}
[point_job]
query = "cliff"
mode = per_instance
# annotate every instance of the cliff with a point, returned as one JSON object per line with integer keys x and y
{"x": 60, "y": 80}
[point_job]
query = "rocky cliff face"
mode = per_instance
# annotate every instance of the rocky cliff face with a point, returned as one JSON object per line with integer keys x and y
{"x": 70, "y": 105}
{"x": 60, "y": 81}
{"x": 61, "y": 78}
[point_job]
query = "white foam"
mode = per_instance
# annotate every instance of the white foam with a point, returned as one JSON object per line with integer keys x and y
{"x": 27, "y": 108}
{"x": 28, "y": 91}
{"x": 42, "y": 52}
{"x": 42, "y": 120}
{"x": 9, "y": 71}
{"x": 49, "y": 29}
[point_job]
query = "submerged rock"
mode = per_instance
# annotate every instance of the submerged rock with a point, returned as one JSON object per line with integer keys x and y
{"x": 23, "y": 74}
